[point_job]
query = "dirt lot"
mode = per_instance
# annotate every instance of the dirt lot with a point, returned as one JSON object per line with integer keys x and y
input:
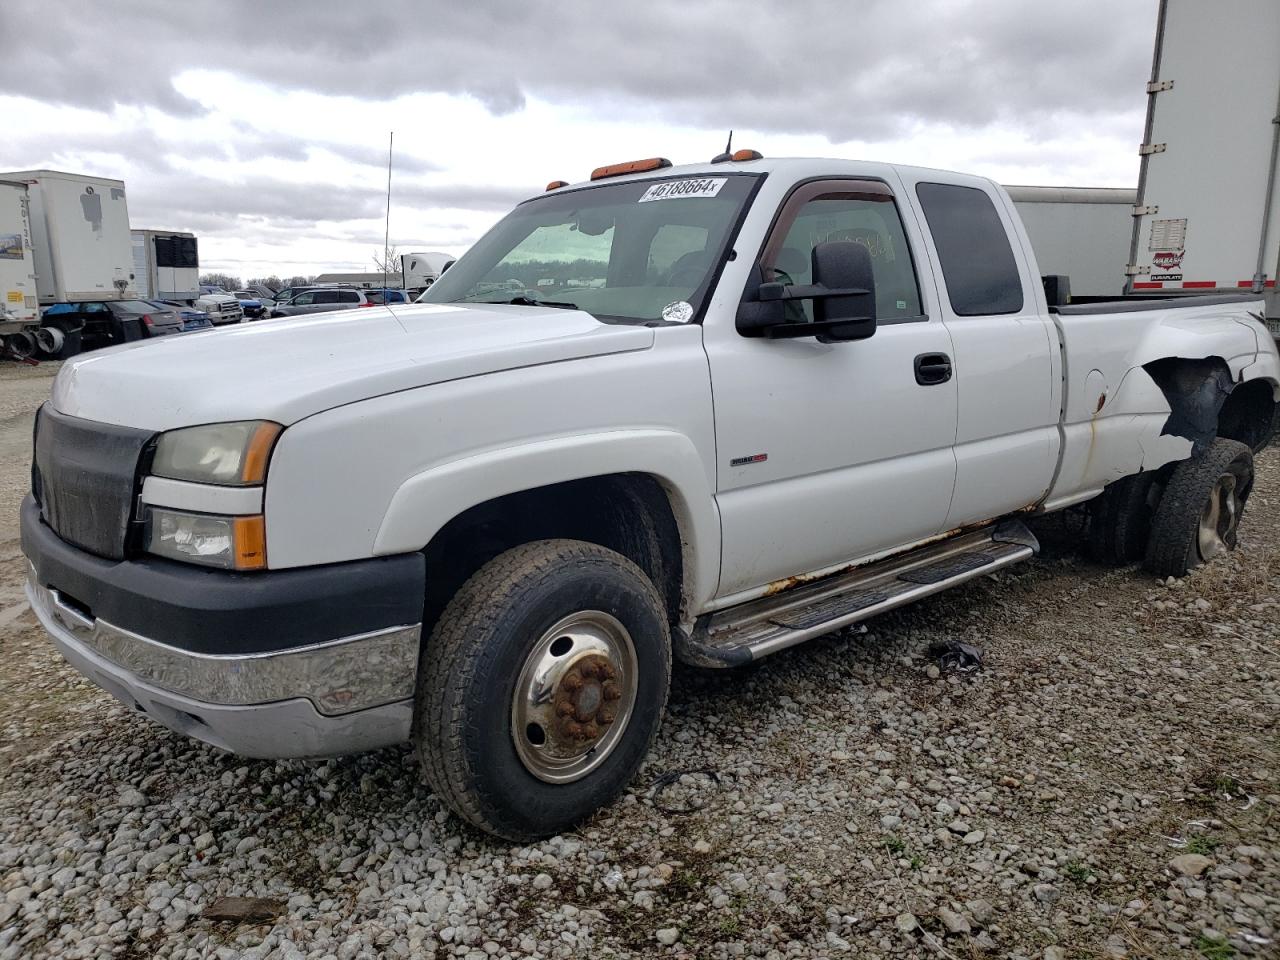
{"x": 1106, "y": 786}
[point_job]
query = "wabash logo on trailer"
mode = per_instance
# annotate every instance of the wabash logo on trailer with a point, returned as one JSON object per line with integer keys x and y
{"x": 1167, "y": 260}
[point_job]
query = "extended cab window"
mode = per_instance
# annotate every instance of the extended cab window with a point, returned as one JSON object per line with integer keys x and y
{"x": 973, "y": 248}
{"x": 870, "y": 219}
{"x": 631, "y": 252}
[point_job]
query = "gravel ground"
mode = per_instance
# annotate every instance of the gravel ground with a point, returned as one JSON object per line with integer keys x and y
{"x": 1106, "y": 786}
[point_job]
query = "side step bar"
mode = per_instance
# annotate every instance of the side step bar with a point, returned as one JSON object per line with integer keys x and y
{"x": 742, "y": 634}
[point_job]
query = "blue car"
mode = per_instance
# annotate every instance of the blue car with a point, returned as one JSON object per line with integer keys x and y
{"x": 253, "y": 308}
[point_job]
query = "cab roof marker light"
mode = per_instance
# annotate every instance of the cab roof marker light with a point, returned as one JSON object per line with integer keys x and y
{"x": 631, "y": 166}
{"x": 556, "y": 185}
{"x": 738, "y": 156}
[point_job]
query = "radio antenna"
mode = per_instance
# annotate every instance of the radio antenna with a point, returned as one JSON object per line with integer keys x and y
{"x": 728, "y": 151}
{"x": 386, "y": 237}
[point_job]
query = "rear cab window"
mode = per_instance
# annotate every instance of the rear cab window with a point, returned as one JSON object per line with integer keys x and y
{"x": 978, "y": 266}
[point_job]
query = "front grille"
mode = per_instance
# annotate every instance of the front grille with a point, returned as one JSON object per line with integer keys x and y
{"x": 84, "y": 478}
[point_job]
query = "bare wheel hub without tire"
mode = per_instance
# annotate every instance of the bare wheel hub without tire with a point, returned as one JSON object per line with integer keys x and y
{"x": 1218, "y": 520}
{"x": 574, "y": 696}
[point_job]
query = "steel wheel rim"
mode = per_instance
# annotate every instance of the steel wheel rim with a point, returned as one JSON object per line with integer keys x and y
{"x": 1218, "y": 519}
{"x": 574, "y": 696}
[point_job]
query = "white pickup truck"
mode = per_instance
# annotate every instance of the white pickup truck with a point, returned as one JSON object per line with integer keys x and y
{"x": 707, "y": 411}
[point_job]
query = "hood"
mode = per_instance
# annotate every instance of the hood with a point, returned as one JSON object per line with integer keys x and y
{"x": 294, "y": 367}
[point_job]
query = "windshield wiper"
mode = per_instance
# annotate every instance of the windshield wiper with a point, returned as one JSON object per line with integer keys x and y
{"x": 524, "y": 301}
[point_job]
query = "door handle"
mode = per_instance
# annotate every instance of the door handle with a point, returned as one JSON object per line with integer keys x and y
{"x": 932, "y": 368}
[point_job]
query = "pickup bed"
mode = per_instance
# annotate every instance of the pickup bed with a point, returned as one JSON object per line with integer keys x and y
{"x": 705, "y": 412}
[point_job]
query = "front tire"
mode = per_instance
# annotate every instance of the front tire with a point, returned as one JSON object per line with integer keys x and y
{"x": 1199, "y": 513}
{"x": 541, "y": 687}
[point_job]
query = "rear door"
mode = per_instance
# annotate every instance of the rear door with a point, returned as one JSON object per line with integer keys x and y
{"x": 833, "y": 452}
{"x": 1006, "y": 350}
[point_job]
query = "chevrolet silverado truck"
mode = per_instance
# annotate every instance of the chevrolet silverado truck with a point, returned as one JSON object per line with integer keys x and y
{"x": 702, "y": 413}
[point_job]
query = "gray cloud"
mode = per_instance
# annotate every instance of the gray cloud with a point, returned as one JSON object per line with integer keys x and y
{"x": 865, "y": 70}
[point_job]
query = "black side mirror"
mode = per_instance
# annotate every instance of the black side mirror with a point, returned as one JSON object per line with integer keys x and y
{"x": 840, "y": 266}
{"x": 843, "y": 294}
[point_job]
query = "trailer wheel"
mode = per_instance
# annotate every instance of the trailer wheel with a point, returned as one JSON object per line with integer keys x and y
{"x": 22, "y": 345}
{"x": 1199, "y": 513}
{"x": 1120, "y": 520}
{"x": 542, "y": 687}
{"x": 49, "y": 340}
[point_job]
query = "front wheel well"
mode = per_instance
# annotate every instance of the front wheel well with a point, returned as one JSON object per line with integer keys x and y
{"x": 629, "y": 513}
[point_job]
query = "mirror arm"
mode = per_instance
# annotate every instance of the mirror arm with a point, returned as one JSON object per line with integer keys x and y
{"x": 787, "y": 331}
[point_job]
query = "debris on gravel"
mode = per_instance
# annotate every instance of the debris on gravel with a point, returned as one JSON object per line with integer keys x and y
{"x": 1107, "y": 785}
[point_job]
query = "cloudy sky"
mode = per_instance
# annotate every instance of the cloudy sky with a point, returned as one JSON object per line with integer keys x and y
{"x": 262, "y": 125}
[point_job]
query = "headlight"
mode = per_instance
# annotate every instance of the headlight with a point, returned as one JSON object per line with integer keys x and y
{"x": 233, "y": 454}
{"x": 233, "y": 543}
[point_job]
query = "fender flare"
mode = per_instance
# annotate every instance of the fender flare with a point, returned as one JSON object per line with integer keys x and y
{"x": 425, "y": 502}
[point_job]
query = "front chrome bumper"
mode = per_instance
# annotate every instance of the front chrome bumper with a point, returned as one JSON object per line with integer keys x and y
{"x": 344, "y": 696}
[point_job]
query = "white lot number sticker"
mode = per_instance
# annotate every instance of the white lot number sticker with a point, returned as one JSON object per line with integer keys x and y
{"x": 677, "y": 189}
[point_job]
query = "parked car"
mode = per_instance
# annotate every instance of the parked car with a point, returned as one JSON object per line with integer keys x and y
{"x": 250, "y": 305}
{"x": 261, "y": 291}
{"x": 376, "y": 298}
{"x": 322, "y": 300}
{"x": 288, "y": 293}
{"x": 810, "y": 391}
{"x": 192, "y": 319}
{"x": 104, "y": 323}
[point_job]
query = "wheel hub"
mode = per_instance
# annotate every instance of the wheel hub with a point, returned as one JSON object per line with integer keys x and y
{"x": 1217, "y": 530}
{"x": 574, "y": 696}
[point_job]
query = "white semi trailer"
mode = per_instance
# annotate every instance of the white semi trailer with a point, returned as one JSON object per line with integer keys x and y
{"x": 1080, "y": 232}
{"x": 18, "y": 302}
{"x": 79, "y": 236}
{"x": 166, "y": 265}
{"x": 1207, "y": 215}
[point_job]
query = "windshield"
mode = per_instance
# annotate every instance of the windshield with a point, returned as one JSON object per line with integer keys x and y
{"x": 628, "y": 252}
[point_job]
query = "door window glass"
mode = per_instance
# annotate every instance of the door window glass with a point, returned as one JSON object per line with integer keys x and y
{"x": 973, "y": 248}
{"x": 327, "y": 296}
{"x": 871, "y": 221}
{"x": 303, "y": 300}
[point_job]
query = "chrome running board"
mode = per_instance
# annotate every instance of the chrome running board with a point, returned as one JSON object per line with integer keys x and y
{"x": 742, "y": 634}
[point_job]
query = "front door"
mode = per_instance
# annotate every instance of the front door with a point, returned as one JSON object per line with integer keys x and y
{"x": 833, "y": 452}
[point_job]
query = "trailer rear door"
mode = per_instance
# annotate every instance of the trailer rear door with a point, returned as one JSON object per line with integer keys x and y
{"x": 1208, "y": 151}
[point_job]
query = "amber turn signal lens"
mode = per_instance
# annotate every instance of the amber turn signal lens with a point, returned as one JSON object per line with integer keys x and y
{"x": 632, "y": 166}
{"x": 258, "y": 452}
{"x": 250, "y": 542}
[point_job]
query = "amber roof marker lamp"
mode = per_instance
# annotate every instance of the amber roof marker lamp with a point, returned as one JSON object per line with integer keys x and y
{"x": 631, "y": 166}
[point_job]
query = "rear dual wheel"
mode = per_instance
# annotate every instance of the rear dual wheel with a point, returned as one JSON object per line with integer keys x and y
{"x": 542, "y": 687}
{"x": 1199, "y": 512}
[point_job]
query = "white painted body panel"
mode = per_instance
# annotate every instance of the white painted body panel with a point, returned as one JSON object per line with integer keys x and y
{"x": 387, "y": 473}
{"x": 842, "y": 424}
{"x": 80, "y": 236}
{"x": 293, "y": 367}
{"x": 397, "y": 421}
